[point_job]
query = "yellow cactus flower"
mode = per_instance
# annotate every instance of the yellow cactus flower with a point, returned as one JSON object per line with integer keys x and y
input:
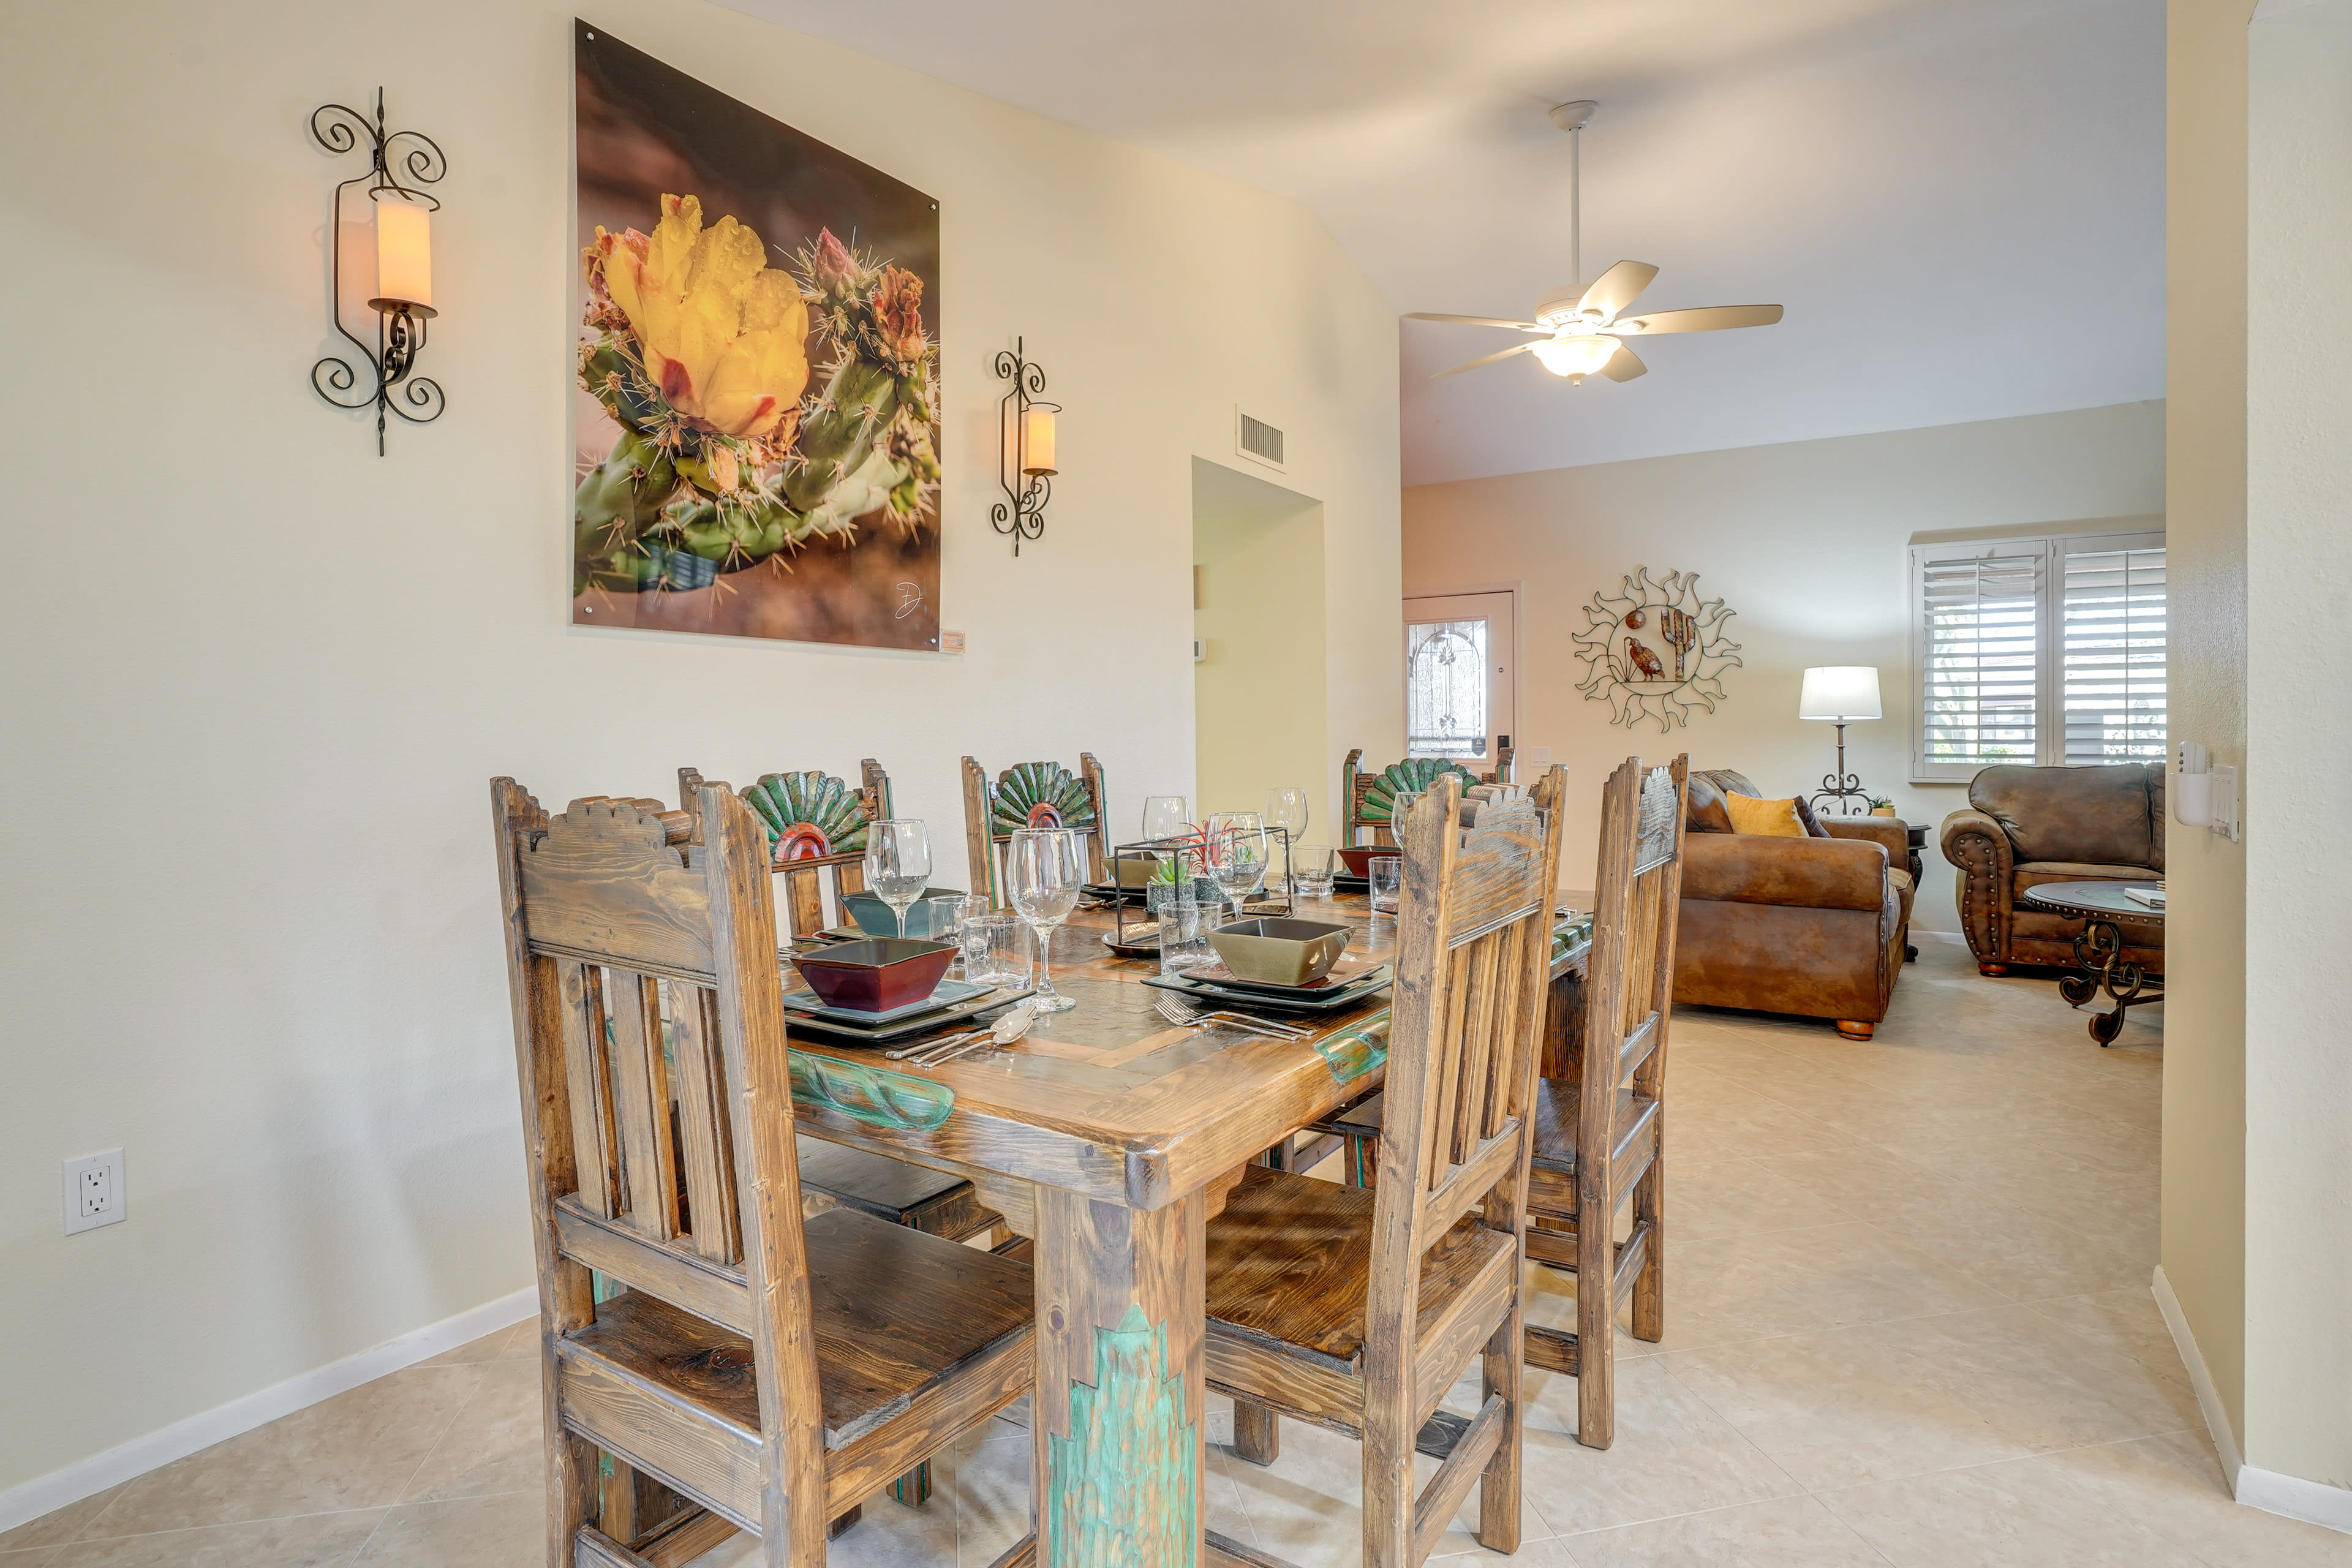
{"x": 724, "y": 335}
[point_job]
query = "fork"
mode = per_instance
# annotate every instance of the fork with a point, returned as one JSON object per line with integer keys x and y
{"x": 1176, "y": 1010}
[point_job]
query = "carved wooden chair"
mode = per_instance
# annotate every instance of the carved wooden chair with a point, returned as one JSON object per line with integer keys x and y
{"x": 771, "y": 1369}
{"x": 816, "y": 835}
{"x": 1360, "y": 1308}
{"x": 1369, "y": 795}
{"x": 1608, "y": 1094}
{"x": 1029, "y": 794}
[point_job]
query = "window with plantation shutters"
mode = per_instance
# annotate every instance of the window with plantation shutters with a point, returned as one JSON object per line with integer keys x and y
{"x": 2037, "y": 650}
{"x": 2110, "y": 626}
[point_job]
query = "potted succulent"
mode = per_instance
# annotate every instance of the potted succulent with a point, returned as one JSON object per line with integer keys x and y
{"x": 1178, "y": 878}
{"x": 1881, "y": 806}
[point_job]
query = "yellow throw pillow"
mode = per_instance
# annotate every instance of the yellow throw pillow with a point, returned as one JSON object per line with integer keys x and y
{"x": 1774, "y": 818}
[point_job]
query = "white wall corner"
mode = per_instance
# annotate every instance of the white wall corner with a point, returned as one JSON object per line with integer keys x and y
{"x": 2217, "y": 1423}
{"x": 46, "y": 1494}
{"x": 2314, "y": 1503}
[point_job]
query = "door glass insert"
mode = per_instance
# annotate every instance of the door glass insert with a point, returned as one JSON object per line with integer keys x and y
{"x": 1446, "y": 689}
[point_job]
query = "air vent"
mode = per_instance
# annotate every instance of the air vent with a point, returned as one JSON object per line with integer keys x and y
{"x": 1257, "y": 438}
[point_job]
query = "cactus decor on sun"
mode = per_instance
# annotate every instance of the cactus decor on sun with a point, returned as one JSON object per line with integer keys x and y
{"x": 1413, "y": 776}
{"x": 701, "y": 356}
{"x": 1039, "y": 795}
{"x": 809, "y": 815}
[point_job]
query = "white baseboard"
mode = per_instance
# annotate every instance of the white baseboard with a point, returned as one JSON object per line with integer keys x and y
{"x": 2311, "y": 1502}
{"x": 2209, "y": 1400}
{"x": 46, "y": 1494}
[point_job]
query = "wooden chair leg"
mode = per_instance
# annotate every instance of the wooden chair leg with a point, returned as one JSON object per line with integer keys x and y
{"x": 1362, "y": 1158}
{"x": 574, "y": 1484}
{"x": 843, "y": 1524}
{"x": 1596, "y": 1331}
{"x": 1649, "y": 1302}
{"x": 914, "y": 1488}
{"x": 1391, "y": 1489}
{"x": 1257, "y": 1432}
{"x": 1502, "y": 1371}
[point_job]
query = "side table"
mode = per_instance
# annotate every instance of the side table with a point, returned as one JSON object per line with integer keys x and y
{"x": 2103, "y": 908}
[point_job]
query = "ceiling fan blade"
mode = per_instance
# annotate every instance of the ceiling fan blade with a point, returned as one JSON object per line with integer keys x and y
{"x": 1705, "y": 318}
{"x": 1489, "y": 359}
{"x": 1617, "y": 287}
{"x": 1477, "y": 322}
{"x": 1624, "y": 366}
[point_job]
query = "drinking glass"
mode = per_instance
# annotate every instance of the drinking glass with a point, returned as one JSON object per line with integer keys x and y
{"x": 1236, "y": 841}
{"x": 1401, "y": 803}
{"x": 1183, "y": 936}
{"x": 1387, "y": 882}
{"x": 1045, "y": 868}
{"x": 972, "y": 933}
{"x": 1003, "y": 944}
{"x": 1165, "y": 816}
{"x": 1287, "y": 809}
{"x": 1311, "y": 869}
{"x": 898, "y": 864}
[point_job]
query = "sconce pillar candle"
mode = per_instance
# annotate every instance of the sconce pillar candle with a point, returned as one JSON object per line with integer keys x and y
{"x": 1840, "y": 694}
{"x": 403, "y": 299}
{"x": 1025, "y": 456}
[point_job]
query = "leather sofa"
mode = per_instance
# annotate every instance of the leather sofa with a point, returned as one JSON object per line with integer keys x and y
{"x": 2025, "y": 826}
{"x": 1813, "y": 926}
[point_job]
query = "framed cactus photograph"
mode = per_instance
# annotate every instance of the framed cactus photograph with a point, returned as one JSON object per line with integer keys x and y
{"x": 757, "y": 387}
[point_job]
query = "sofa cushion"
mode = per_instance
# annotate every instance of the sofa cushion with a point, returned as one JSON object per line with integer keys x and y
{"x": 1763, "y": 818}
{"x": 2098, "y": 815}
{"x": 2033, "y": 873}
{"x": 1705, "y": 812}
{"x": 1810, "y": 873}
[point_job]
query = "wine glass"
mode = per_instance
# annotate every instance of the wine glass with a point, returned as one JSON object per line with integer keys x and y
{"x": 1165, "y": 817}
{"x": 1236, "y": 847}
{"x": 1287, "y": 809}
{"x": 898, "y": 864}
{"x": 1045, "y": 868}
{"x": 971, "y": 932}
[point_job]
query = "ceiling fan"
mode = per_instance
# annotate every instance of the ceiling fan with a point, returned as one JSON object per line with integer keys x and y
{"x": 1580, "y": 331}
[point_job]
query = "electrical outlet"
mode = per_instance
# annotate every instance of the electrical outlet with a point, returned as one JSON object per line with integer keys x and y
{"x": 93, "y": 1191}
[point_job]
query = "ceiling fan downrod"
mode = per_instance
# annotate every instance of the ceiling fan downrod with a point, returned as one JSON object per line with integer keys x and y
{"x": 1572, "y": 118}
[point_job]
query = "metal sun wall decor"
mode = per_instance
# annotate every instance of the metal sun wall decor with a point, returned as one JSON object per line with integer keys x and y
{"x": 400, "y": 320}
{"x": 1656, "y": 650}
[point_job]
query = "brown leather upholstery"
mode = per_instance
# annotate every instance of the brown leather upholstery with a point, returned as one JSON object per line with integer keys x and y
{"x": 2027, "y": 826}
{"x": 1810, "y": 926}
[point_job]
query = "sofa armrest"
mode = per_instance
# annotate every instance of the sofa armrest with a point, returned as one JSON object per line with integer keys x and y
{"x": 1889, "y": 832}
{"x": 1807, "y": 873}
{"x": 1980, "y": 847}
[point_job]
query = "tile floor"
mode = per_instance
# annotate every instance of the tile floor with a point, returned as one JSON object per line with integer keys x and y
{"x": 1909, "y": 1324}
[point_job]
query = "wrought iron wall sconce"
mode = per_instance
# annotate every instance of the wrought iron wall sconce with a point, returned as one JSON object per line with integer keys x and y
{"x": 403, "y": 296}
{"x": 1024, "y": 434}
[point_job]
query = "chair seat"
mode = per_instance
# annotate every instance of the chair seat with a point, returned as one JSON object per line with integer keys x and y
{"x": 896, "y": 1191}
{"x": 896, "y": 1310}
{"x": 1290, "y": 1257}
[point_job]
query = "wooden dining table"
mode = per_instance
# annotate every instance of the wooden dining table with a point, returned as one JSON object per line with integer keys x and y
{"x": 1109, "y": 1136}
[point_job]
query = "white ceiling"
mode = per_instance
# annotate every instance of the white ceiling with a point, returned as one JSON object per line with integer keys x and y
{"x": 1961, "y": 202}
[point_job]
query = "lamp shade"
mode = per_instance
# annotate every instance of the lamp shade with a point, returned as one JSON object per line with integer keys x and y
{"x": 1576, "y": 355}
{"x": 404, "y": 256}
{"x": 1839, "y": 693}
{"x": 1037, "y": 440}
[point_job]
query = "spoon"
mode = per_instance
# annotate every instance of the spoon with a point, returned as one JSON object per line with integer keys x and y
{"x": 1009, "y": 1028}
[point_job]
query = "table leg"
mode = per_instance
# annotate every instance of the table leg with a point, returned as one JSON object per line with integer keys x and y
{"x": 2099, "y": 949}
{"x": 1118, "y": 1413}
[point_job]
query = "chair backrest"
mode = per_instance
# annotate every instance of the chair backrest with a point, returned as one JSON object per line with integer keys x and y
{"x": 1473, "y": 950}
{"x": 1030, "y": 794}
{"x": 1369, "y": 795}
{"x": 656, "y": 1090}
{"x": 816, "y": 833}
{"x": 1630, "y": 976}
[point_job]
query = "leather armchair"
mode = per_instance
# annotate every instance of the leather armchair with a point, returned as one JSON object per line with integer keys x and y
{"x": 2024, "y": 826}
{"x": 1811, "y": 926}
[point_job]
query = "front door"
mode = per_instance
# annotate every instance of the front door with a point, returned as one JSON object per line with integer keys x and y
{"x": 1461, "y": 661}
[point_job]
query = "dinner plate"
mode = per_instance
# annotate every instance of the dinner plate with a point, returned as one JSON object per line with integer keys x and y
{"x": 1142, "y": 941}
{"x": 946, "y": 993}
{"x": 1296, "y": 1001}
{"x": 809, "y": 1027}
{"x": 1344, "y": 975}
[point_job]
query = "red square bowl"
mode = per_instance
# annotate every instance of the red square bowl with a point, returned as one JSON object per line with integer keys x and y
{"x": 876, "y": 974}
{"x": 1359, "y": 856}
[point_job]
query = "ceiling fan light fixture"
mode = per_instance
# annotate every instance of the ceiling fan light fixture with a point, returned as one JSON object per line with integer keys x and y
{"x": 1576, "y": 355}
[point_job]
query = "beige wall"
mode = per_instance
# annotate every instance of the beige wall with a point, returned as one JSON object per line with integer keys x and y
{"x": 258, "y": 676}
{"x": 2205, "y": 503}
{"x": 2298, "y": 668}
{"x": 1806, "y": 543}
{"x": 1258, "y": 691}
